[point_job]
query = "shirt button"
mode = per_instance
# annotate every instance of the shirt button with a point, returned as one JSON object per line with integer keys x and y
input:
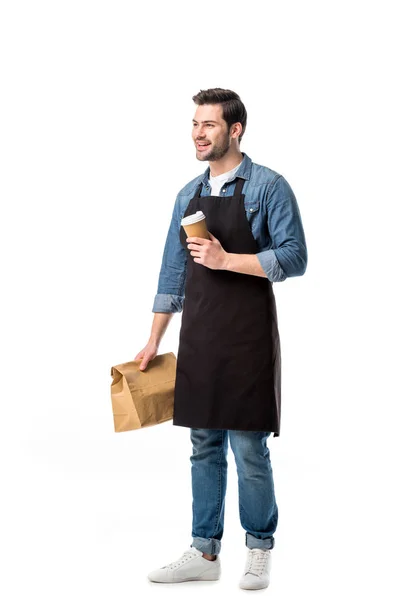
{"x": 251, "y": 210}
{"x": 224, "y": 190}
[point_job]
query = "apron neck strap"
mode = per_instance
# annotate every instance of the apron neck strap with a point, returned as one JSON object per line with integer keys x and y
{"x": 239, "y": 186}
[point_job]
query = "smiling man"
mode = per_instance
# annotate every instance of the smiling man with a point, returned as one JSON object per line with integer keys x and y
{"x": 228, "y": 377}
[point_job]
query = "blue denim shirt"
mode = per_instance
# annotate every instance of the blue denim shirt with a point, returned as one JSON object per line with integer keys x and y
{"x": 275, "y": 221}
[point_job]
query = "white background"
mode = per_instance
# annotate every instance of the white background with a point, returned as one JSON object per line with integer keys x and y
{"x": 96, "y": 109}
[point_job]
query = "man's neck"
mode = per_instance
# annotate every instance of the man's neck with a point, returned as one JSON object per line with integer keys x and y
{"x": 225, "y": 164}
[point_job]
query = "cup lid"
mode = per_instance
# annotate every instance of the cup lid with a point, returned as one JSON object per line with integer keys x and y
{"x": 190, "y": 219}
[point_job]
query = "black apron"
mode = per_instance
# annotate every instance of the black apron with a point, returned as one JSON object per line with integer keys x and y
{"x": 228, "y": 372}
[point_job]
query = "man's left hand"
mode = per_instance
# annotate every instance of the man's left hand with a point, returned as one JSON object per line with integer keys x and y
{"x": 209, "y": 253}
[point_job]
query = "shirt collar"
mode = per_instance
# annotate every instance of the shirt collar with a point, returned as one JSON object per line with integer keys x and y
{"x": 243, "y": 171}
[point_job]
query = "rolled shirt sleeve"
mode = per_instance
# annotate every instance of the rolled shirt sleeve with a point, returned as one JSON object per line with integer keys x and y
{"x": 271, "y": 266}
{"x": 288, "y": 257}
{"x": 167, "y": 303}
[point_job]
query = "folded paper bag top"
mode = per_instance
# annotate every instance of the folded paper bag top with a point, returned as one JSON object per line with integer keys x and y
{"x": 143, "y": 398}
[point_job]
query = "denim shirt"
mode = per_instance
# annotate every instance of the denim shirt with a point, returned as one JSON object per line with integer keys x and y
{"x": 274, "y": 218}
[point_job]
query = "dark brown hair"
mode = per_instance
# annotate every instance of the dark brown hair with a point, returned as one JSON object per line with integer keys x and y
{"x": 233, "y": 109}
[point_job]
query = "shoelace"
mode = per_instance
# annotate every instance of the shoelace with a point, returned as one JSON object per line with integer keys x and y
{"x": 257, "y": 559}
{"x": 184, "y": 558}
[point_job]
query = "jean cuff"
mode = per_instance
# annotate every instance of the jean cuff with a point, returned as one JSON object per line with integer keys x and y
{"x": 207, "y": 545}
{"x": 253, "y": 542}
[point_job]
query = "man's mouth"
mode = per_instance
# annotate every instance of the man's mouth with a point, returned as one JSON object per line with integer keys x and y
{"x": 202, "y": 145}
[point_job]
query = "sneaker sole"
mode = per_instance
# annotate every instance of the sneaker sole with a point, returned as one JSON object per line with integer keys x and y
{"x": 216, "y": 578}
{"x": 255, "y": 586}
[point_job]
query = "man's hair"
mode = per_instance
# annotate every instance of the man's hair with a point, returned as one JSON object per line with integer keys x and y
{"x": 233, "y": 109}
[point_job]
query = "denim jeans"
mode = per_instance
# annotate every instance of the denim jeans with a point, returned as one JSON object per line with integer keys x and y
{"x": 258, "y": 510}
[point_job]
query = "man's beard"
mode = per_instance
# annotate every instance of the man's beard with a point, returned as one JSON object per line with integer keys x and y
{"x": 217, "y": 152}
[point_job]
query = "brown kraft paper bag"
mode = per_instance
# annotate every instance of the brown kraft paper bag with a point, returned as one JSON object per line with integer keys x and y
{"x": 143, "y": 398}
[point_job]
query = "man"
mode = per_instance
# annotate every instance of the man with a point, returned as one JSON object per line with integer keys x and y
{"x": 228, "y": 365}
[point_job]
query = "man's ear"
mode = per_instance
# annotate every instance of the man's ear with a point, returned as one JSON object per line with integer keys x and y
{"x": 236, "y": 130}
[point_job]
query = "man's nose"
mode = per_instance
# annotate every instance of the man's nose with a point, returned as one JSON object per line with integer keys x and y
{"x": 200, "y": 135}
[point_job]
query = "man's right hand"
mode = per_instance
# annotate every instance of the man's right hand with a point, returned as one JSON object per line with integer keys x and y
{"x": 148, "y": 353}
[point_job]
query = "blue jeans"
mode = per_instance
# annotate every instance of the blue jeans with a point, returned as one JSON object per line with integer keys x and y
{"x": 258, "y": 510}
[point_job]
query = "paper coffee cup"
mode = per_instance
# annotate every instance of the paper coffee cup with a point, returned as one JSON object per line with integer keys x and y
{"x": 195, "y": 225}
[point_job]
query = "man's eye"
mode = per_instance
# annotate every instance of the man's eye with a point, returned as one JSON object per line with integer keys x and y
{"x": 210, "y": 125}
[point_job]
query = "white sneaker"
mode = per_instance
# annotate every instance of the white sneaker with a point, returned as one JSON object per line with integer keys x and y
{"x": 191, "y": 566}
{"x": 257, "y": 571}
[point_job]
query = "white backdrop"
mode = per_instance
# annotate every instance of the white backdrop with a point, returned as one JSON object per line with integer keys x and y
{"x": 96, "y": 109}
